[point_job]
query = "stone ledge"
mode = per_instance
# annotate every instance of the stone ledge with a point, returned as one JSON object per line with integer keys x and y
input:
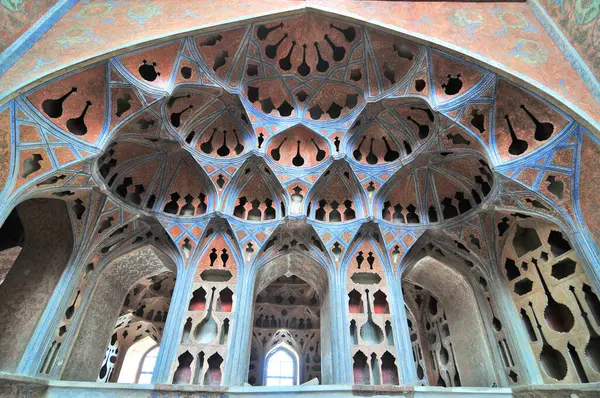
{"x": 12, "y": 385}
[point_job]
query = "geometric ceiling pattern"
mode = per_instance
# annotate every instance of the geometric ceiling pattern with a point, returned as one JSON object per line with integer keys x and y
{"x": 304, "y": 116}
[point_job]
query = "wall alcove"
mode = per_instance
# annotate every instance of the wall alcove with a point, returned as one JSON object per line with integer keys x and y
{"x": 291, "y": 303}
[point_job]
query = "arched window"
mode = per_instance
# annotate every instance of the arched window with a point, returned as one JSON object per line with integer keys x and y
{"x": 147, "y": 366}
{"x": 281, "y": 367}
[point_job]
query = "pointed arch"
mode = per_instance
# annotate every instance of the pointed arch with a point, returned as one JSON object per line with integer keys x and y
{"x": 439, "y": 187}
{"x": 293, "y": 236}
{"x": 308, "y": 284}
{"x": 337, "y": 196}
{"x": 298, "y": 146}
{"x": 289, "y": 371}
{"x": 104, "y": 303}
{"x": 218, "y": 125}
{"x": 255, "y": 194}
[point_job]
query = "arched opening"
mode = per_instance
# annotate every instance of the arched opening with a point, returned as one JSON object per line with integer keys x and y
{"x": 287, "y": 314}
{"x": 135, "y": 361}
{"x": 281, "y": 367}
{"x": 142, "y": 318}
{"x": 108, "y": 308}
{"x": 36, "y": 241}
{"x": 454, "y": 344}
{"x": 291, "y": 304}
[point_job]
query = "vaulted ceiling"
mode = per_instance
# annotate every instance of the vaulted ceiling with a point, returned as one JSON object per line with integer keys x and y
{"x": 300, "y": 116}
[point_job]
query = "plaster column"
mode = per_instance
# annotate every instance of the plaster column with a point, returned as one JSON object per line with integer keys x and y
{"x": 340, "y": 350}
{"x": 406, "y": 367}
{"x": 235, "y": 371}
{"x": 515, "y": 332}
{"x": 45, "y": 332}
{"x": 173, "y": 326}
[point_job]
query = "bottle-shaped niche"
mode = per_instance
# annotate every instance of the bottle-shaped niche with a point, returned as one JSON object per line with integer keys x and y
{"x": 71, "y": 310}
{"x": 444, "y": 357}
{"x": 320, "y": 153}
{"x": 553, "y": 362}
{"x": 262, "y": 32}
{"x": 239, "y": 148}
{"x": 223, "y": 149}
{"x": 276, "y": 152}
{"x": 390, "y": 154}
{"x": 544, "y": 130}
{"x": 322, "y": 64}
{"x": 592, "y": 349}
{"x": 207, "y": 146}
{"x": 285, "y": 63}
{"x": 357, "y": 152}
{"x": 338, "y": 52}
{"x": 370, "y": 332}
{"x": 77, "y": 125}
{"x": 371, "y": 157}
{"x": 54, "y": 107}
{"x": 558, "y": 316}
{"x": 176, "y": 116}
{"x": 423, "y": 128}
{"x": 517, "y": 145}
{"x": 349, "y": 33}
{"x": 298, "y": 160}
{"x": 206, "y": 330}
{"x": 303, "y": 68}
{"x": 271, "y": 49}
{"x": 495, "y": 321}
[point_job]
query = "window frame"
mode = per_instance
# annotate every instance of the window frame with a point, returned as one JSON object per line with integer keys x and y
{"x": 295, "y": 364}
{"x": 141, "y": 371}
